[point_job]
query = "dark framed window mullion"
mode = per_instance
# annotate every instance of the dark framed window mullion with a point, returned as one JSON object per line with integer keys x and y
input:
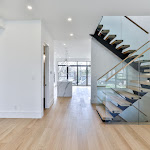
{"x": 77, "y": 66}
{"x": 86, "y": 75}
{"x": 77, "y": 74}
{"x": 67, "y": 72}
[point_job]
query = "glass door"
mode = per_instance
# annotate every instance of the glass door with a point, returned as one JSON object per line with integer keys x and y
{"x": 89, "y": 75}
{"x": 72, "y": 74}
{"x": 82, "y": 75}
{"x": 79, "y": 73}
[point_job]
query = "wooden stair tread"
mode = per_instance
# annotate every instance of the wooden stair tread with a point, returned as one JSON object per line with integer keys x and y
{"x": 133, "y": 56}
{"x": 142, "y": 61}
{"x": 128, "y": 95}
{"x": 116, "y": 42}
{"x": 146, "y": 75}
{"x": 120, "y": 101}
{"x": 111, "y": 107}
{"x": 123, "y": 47}
{"x": 110, "y": 37}
{"x": 100, "y": 27}
{"x": 129, "y": 51}
{"x": 134, "y": 88}
{"x": 138, "y": 89}
{"x": 141, "y": 82}
{"x": 105, "y": 115}
{"x": 144, "y": 66}
{"x": 103, "y": 33}
{"x": 147, "y": 70}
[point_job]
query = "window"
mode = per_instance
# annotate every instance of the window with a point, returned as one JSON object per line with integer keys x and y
{"x": 79, "y": 73}
{"x": 62, "y": 73}
{"x": 117, "y": 81}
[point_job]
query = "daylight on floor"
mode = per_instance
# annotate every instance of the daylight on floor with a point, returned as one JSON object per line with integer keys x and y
{"x": 75, "y": 75}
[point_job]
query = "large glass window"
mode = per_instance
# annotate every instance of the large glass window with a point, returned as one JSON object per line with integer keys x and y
{"x": 72, "y": 74}
{"x": 82, "y": 77}
{"x": 117, "y": 81}
{"x": 79, "y": 73}
{"x": 62, "y": 73}
{"x": 89, "y": 75}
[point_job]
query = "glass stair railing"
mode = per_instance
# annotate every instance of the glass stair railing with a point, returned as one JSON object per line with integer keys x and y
{"x": 125, "y": 30}
{"x": 120, "y": 34}
{"x": 124, "y": 91}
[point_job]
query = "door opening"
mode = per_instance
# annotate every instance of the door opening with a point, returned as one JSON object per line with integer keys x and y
{"x": 77, "y": 72}
{"x": 44, "y": 84}
{"x": 46, "y": 76}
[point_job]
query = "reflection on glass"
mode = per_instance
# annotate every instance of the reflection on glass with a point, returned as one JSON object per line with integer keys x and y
{"x": 72, "y": 75}
{"x": 61, "y": 63}
{"x": 81, "y": 75}
{"x": 62, "y": 73}
{"x": 117, "y": 81}
{"x": 88, "y": 63}
{"x": 89, "y": 75}
{"x": 72, "y": 63}
{"x": 81, "y": 63}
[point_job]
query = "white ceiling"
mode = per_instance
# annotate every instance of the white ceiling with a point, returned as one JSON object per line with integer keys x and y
{"x": 85, "y": 13}
{"x": 74, "y": 48}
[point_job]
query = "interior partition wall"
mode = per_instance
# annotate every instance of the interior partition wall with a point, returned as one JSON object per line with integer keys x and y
{"x": 79, "y": 73}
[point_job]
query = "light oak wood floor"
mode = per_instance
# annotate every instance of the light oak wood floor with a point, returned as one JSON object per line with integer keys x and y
{"x": 72, "y": 124}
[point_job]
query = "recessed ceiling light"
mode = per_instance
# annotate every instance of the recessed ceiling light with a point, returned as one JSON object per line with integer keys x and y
{"x": 64, "y": 44}
{"x": 71, "y": 34}
{"x": 29, "y": 7}
{"x": 69, "y": 19}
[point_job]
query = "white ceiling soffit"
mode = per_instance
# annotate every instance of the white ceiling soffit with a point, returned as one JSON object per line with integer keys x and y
{"x": 86, "y": 14}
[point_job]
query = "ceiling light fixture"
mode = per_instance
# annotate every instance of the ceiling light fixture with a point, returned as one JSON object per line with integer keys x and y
{"x": 64, "y": 44}
{"x": 29, "y": 7}
{"x": 69, "y": 19}
{"x": 71, "y": 34}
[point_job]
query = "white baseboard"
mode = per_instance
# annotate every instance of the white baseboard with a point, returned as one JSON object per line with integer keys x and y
{"x": 21, "y": 115}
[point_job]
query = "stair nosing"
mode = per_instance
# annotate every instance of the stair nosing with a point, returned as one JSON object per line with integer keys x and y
{"x": 110, "y": 109}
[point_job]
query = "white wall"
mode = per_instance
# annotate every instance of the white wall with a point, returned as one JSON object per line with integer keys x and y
{"x": 21, "y": 59}
{"x": 102, "y": 60}
{"x": 20, "y": 63}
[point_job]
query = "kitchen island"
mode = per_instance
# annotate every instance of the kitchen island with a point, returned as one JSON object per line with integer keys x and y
{"x": 64, "y": 89}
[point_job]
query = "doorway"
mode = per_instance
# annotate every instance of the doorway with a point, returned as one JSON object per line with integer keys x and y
{"x": 79, "y": 73}
{"x": 46, "y": 71}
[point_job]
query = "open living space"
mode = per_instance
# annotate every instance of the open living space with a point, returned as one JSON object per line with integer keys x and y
{"x": 75, "y": 75}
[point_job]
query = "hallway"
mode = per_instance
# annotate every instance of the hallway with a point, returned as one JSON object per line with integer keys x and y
{"x": 71, "y": 124}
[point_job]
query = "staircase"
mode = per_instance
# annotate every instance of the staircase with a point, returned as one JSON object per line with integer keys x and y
{"x": 119, "y": 100}
{"x": 114, "y": 101}
{"x": 108, "y": 41}
{"x": 115, "y": 45}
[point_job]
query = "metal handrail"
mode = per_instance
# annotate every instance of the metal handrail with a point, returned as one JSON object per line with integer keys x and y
{"x": 136, "y": 24}
{"x": 128, "y": 64}
{"x": 123, "y": 60}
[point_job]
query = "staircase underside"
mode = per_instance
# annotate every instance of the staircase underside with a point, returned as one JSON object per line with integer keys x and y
{"x": 109, "y": 46}
{"x": 119, "y": 53}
